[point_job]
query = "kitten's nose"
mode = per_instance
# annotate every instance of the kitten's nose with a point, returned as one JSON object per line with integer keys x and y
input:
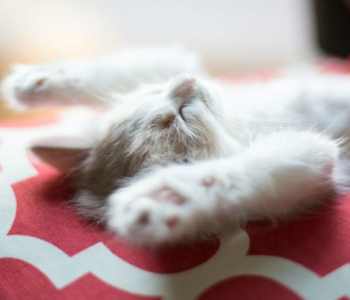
{"x": 182, "y": 87}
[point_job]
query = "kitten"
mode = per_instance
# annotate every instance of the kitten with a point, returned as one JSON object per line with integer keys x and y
{"x": 179, "y": 156}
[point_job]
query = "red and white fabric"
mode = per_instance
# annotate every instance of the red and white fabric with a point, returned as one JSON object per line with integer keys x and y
{"x": 47, "y": 251}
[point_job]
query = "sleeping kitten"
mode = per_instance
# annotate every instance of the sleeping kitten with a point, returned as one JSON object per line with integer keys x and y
{"x": 178, "y": 154}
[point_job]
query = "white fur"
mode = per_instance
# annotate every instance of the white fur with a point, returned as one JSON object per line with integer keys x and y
{"x": 274, "y": 146}
{"x": 274, "y": 176}
{"x": 90, "y": 82}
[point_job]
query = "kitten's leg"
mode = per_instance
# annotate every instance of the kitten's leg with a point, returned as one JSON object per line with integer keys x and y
{"x": 321, "y": 100}
{"x": 277, "y": 175}
{"x": 91, "y": 81}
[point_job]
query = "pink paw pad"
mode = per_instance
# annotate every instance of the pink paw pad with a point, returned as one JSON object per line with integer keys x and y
{"x": 208, "y": 181}
{"x": 171, "y": 196}
{"x": 143, "y": 218}
{"x": 172, "y": 221}
{"x": 41, "y": 82}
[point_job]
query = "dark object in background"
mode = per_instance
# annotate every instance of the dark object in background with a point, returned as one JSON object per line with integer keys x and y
{"x": 333, "y": 26}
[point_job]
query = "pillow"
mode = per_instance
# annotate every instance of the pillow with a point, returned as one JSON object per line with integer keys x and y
{"x": 47, "y": 251}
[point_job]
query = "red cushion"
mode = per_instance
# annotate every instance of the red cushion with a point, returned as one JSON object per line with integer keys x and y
{"x": 48, "y": 252}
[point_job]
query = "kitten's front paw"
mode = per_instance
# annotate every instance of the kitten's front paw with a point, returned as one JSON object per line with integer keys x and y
{"x": 163, "y": 210}
{"x": 150, "y": 219}
{"x": 26, "y": 86}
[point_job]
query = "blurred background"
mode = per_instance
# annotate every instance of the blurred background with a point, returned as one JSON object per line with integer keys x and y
{"x": 231, "y": 35}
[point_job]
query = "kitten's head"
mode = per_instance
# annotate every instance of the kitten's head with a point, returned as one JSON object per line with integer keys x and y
{"x": 178, "y": 122}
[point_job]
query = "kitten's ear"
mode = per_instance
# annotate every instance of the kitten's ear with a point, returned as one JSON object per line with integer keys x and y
{"x": 63, "y": 153}
{"x": 182, "y": 86}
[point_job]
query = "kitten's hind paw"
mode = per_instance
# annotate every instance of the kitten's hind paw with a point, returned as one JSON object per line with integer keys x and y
{"x": 29, "y": 86}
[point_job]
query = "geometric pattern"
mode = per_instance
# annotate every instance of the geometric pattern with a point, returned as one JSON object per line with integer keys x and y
{"x": 48, "y": 252}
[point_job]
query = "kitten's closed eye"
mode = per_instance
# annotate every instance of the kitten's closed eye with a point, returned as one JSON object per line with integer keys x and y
{"x": 181, "y": 112}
